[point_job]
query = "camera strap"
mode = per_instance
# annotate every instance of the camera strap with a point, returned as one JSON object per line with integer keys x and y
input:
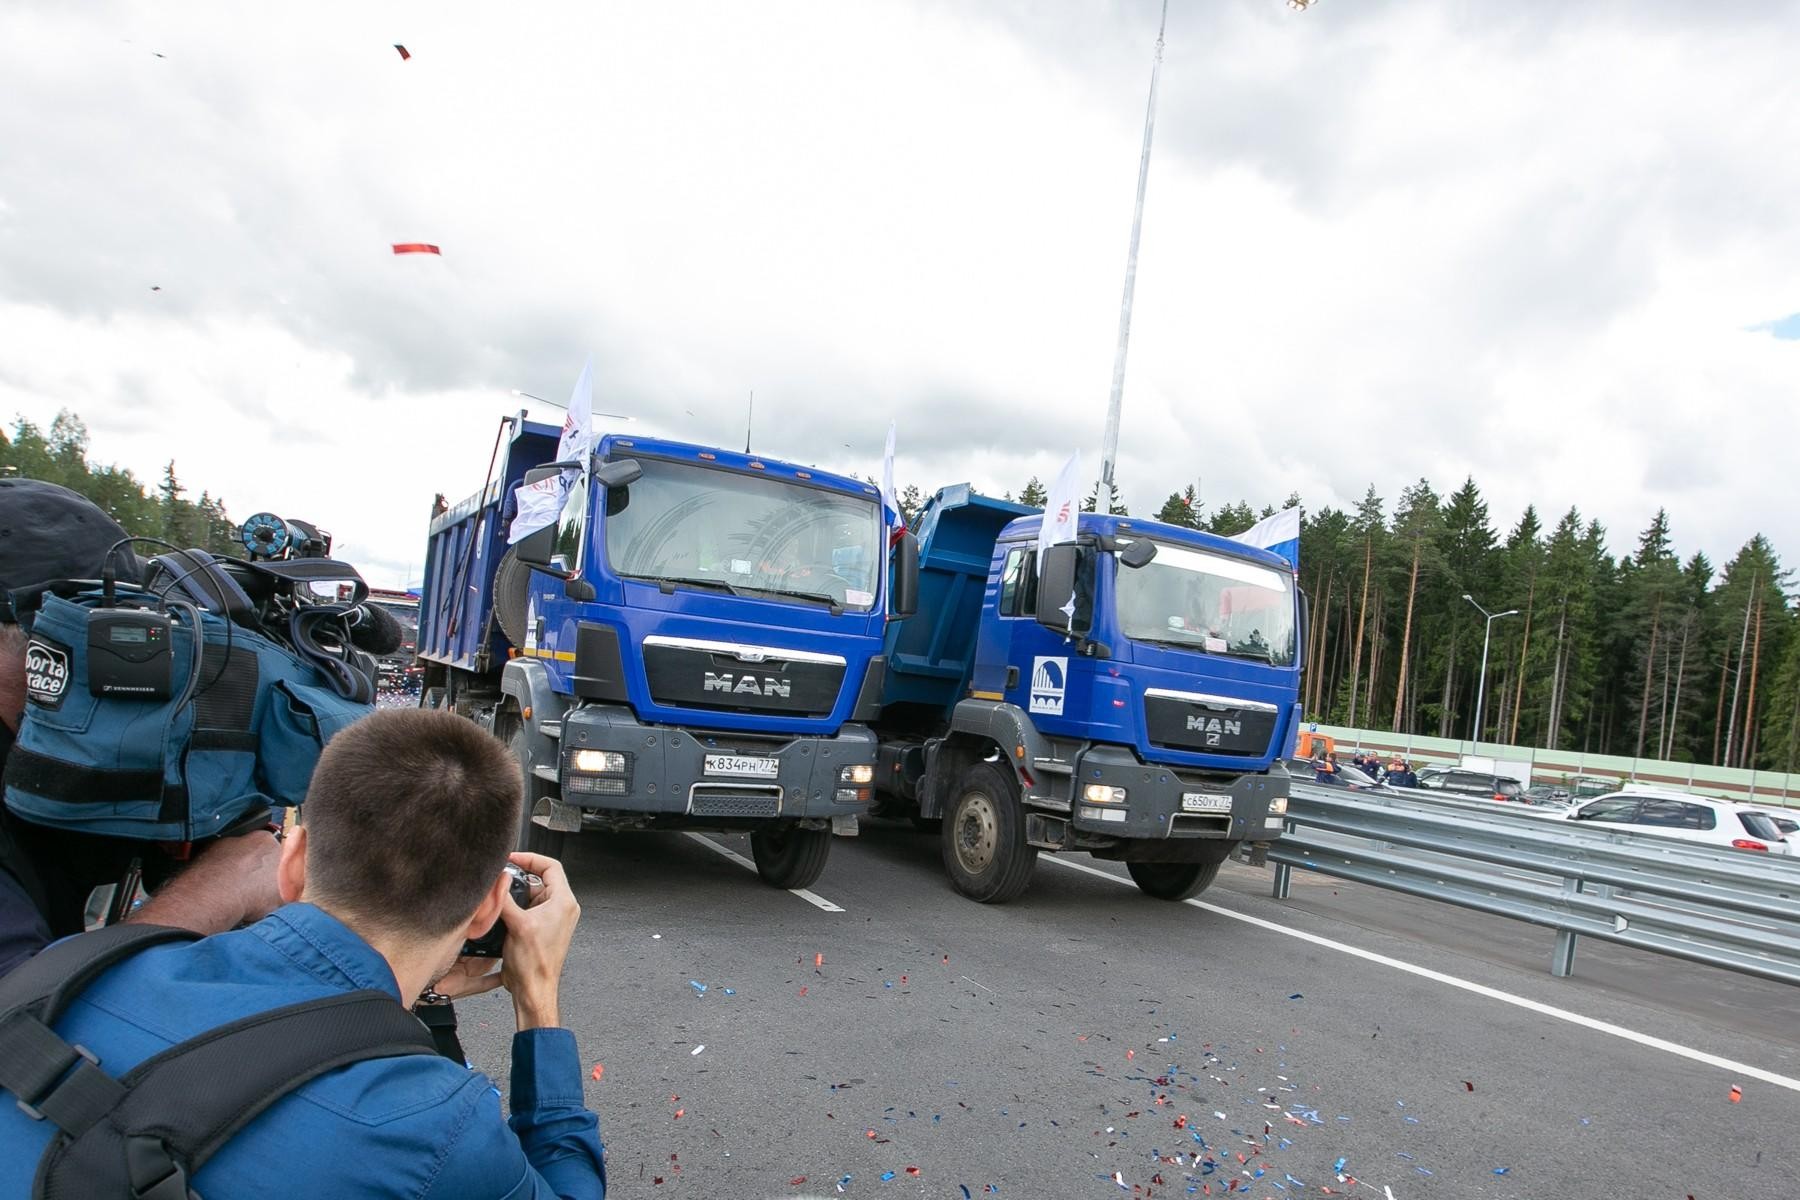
{"x": 145, "y": 1134}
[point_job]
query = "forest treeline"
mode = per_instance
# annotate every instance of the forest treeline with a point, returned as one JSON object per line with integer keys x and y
{"x": 1649, "y": 655}
{"x": 163, "y": 511}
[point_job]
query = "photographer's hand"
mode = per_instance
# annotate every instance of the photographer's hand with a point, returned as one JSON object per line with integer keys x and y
{"x": 537, "y": 942}
{"x": 231, "y": 882}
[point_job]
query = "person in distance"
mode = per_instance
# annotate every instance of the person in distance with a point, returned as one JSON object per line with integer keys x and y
{"x": 398, "y": 859}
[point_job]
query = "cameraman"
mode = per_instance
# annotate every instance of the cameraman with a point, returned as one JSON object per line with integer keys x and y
{"x": 49, "y": 533}
{"x": 397, "y": 861}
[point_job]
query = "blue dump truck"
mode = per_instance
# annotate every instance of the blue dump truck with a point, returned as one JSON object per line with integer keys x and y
{"x": 695, "y": 643}
{"x": 1145, "y": 722}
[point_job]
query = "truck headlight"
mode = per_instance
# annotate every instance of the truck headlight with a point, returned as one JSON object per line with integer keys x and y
{"x": 597, "y": 762}
{"x": 1100, "y": 793}
{"x": 1278, "y": 806}
{"x": 861, "y": 773}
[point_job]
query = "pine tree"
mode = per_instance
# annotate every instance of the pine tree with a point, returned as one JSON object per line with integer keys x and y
{"x": 1033, "y": 493}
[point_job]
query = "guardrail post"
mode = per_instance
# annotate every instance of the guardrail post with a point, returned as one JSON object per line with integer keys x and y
{"x": 1562, "y": 959}
{"x": 1284, "y": 874}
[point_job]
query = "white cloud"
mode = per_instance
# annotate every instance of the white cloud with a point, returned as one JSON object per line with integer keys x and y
{"x": 1382, "y": 241}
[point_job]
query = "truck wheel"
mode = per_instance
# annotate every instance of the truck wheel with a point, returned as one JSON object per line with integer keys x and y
{"x": 790, "y": 858}
{"x": 983, "y": 837}
{"x": 1173, "y": 881}
{"x": 533, "y": 838}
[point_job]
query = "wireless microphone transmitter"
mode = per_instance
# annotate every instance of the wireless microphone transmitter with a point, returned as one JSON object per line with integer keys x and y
{"x": 129, "y": 653}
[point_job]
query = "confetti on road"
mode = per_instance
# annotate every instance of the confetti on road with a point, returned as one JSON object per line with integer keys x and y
{"x": 416, "y": 248}
{"x": 597, "y": 1072}
{"x": 818, "y": 960}
{"x": 680, "y": 1113}
{"x": 1737, "y": 1093}
{"x": 1469, "y": 1086}
{"x": 697, "y": 1049}
{"x": 699, "y": 988}
{"x": 404, "y": 52}
{"x": 1296, "y": 996}
{"x": 796, "y": 1181}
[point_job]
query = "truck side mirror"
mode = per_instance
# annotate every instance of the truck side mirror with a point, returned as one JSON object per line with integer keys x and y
{"x": 536, "y": 549}
{"x": 1057, "y": 572}
{"x": 905, "y": 600}
{"x": 619, "y": 472}
{"x": 1138, "y": 554}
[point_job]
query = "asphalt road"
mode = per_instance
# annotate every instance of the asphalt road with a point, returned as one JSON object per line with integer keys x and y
{"x": 1087, "y": 1041}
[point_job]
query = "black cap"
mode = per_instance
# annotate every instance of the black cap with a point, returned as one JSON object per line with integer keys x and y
{"x": 48, "y": 533}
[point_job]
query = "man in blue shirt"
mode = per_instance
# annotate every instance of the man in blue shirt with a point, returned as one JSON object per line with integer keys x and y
{"x": 397, "y": 860}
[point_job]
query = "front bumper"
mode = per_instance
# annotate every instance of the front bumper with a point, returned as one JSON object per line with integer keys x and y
{"x": 665, "y": 772}
{"x": 1153, "y": 808}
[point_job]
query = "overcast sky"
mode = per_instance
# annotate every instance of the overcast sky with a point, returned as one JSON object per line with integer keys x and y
{"x": 1549, "y": 244}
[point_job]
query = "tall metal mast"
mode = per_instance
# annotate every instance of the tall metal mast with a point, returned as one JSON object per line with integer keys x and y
{"x": 1109, "y": 446}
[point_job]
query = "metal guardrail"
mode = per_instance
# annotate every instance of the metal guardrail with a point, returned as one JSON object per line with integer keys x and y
{"x": 1726, "y": 908}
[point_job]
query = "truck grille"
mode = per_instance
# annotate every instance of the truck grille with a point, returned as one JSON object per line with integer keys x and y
{"x": 1188, "y": 724}
{"x": 710, "y": 676}
{"x": 737, "y": 802}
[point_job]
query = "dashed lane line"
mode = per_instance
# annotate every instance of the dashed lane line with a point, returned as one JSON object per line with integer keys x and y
{"x": 811, "y": 897}
{"x": 1479, "y": 989}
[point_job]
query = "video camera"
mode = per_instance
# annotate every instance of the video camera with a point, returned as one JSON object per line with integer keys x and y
{"x": 190, "y": 704}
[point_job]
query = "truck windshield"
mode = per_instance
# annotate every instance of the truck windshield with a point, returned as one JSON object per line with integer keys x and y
{"x": 1208, "y": 602}
{"x": 745, "y": 534}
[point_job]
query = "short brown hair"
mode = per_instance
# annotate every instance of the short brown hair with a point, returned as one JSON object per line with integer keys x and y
{"x": 409, "y": 819}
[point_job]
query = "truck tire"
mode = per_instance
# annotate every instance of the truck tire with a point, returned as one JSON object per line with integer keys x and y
{"x": 512, "y": 596}
{"x": 533, "y": 838}
{"x": 790, "y": 858}
{"x": 1173, "y": 880}
{"x": 983, "y": 837}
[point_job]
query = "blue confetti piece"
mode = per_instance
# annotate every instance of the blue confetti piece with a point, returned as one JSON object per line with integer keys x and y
{"x": 1338, "y": 1166}
{"x": 965, "y": 1190}
{"x": 1412, "y": 1120}
{"x": 1403, "y": 1154}
{"x": 1292, "y": 1180}
{"x": 699, "y": 988}
{"x": 936, "y": 1117}
{"x": 1295, "y": 996}
{"x": 1422, "y": 1170}
{"x": 1501, "y": 1170}
{"x": 886, "y": 1175}
{"x": 730, "y": 991}
{"x": 888, "y": 983}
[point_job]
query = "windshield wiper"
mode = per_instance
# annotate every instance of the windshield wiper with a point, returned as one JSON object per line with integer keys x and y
{"x": 836, "y": 605}
{"x": 1171, "y": 642}
{"x": 667, "y": 583}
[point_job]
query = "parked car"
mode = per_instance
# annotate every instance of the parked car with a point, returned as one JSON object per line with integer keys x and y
{"x": 1691, "y": 818}
{"x": 1346, "y": 775}
{"x": 1548, "y": 795}
{"x": 1458, "y": 782}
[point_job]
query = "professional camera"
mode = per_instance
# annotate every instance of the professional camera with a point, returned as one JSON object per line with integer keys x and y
{"x": 203, "y": 694}
{"x": 525, "y": 888}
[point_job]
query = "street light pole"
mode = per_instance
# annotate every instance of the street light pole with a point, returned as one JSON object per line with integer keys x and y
{"x": 1486, "y": 638}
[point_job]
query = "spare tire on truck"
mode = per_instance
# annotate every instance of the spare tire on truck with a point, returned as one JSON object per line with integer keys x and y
{"x": 512, "y": 596}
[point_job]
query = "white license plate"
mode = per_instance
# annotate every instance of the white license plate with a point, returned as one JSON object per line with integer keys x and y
{"x": 742, "y": 765}
{"x": 1204, "y": 802}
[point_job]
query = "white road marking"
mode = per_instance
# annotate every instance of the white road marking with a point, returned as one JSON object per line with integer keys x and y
{"x": 1479, "y": 989}
{"x": 812, "y": 898}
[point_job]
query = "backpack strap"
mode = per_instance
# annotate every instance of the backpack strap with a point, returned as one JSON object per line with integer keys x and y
{"x": 198, "y": 576}
{"x": 174, "y": 1111}
{"x": 46, "y": 1076}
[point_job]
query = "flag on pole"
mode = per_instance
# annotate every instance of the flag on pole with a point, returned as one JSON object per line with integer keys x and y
{"x": 541, "y": 502}
{"x": 1062, "y": 506}
{"x": 1279, "y": 534}
{"x": 890, "y": 500}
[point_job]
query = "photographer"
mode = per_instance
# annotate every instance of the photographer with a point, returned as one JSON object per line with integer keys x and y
{"x": 396, "y": 862}
{"x": 49, "y": 533}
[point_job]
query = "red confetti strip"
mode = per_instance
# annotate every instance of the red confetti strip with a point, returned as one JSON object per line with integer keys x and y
{"x": 803, "y": 991}
{"x": 796, "y": 1181}
{"x": 1468, "y": 1085}
{"x": 1130, "y": 1054}
{"x": 404, "y": 55}
{"x": 416, "y": 248}
{"x": 818, "y": 960}
{"x": 1737, "y": 1093}
{"x": 914, "y": 1171}
{"x": 597, "y": 1072}
{"x": 680, "y": 1113}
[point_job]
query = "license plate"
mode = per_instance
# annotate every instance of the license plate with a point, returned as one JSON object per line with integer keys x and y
{"x": 1204, "y": 802}
{"x": 742, "y": 765}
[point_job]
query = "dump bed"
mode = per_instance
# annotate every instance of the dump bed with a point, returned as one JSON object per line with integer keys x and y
{"x": 463, "y": 551}
{"x": 930, "y": 655}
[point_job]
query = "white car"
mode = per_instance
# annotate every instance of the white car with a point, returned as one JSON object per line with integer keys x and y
{"x": 1686, "y": 816}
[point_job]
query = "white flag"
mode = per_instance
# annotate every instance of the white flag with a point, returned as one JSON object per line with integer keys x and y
{"x": 540, "y": 503}
{"x": 578, "y": 427}
{"x": 889, "y": 498}
{"x": 1062, "y": 506}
